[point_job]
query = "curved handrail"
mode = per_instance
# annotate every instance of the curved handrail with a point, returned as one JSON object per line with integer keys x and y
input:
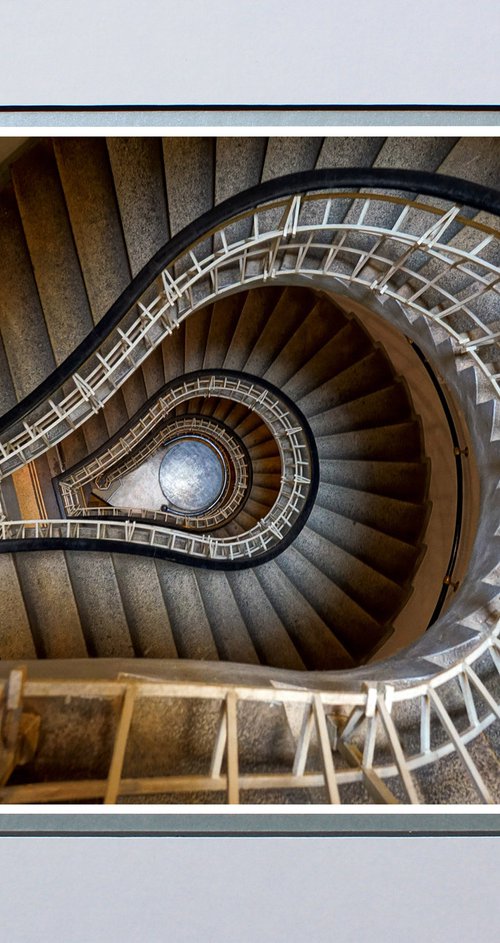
{"x": 453, "y": 189}
{"x": 238, "y": 263}
{"x": 299, "y": 480}
{"x": 227, "y": 506}
{"x": 447, "y": 581}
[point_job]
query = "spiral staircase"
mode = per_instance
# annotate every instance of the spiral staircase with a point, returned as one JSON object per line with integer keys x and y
{"x": 328, "y": 335}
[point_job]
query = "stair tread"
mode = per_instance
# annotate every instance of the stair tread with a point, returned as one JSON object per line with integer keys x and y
{"x": 138, "y": 175}
{"x": 101, "y": 611}
{"x": 16, "y": 639}
{"x": 88, "y": 187}
{"x": 391, "y": 402}
{"x": 372, "y": 590}
{"x": 404, "y": 481}
{"x": 398, "y": 442}
{"x": 56, "y": 265}
{"x": 357, "y": 631}
{"x": 189, "y": 176}
{"x": 24, "y": 332}
{"x": 270, "y": 638}
{"x": 311, "y": 335}
{"x": 366, "y": 375}
{"x": 393, "y": 516}
{"x": 348, "y": 346}
{"x": 50, "y": 601}
{"x": 144, "y": 606}
{"x": 190, "y": 626}
{"x": 289, "y": 312}
{"x": 317, "y": 645}
{"x": 228, "y": 626}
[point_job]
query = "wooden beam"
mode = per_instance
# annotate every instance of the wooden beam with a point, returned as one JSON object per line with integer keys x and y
{"x": 300, "y": 759}
{"x": 454, "y": 736}
{"x": 233, "y": 794}
{"x": 326, "y": 751}
{"x": 220, "y": 744}
{"x": 120, "y": 745}
{"x": 374, "y": 784}
{"x": 154, "y": 785}
{"x": 11, "y": 721}
{"x": 392, "y": 736}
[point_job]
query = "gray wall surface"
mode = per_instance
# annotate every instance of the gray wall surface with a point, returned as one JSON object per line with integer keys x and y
{"x": 264, "y": 890}
{"x": 122, "y": 52}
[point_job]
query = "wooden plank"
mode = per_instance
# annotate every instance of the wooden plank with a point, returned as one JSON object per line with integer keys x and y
{"x": 154, "y": 785}
{"x": 220, "y": 745}
{"x": 478, "y": 684}
{"x": 425, "y": 724}
{"x": 10, "y": 723}
{"x": 158, "y": 688}
{"x": 120, "y": 745}
{"x": 232, "y": 749}
{"x": 326, "y": 752}
{"x": 300, "y": 759}
{"x": 392, "y": 736}
{"x": 377, "y": 789}
{"x": 470, "y": 706}
{"x": 370, "y": 739}
{"x": 353, "y": 721}
{"x": 374, "y": 784}
{"x": 454, "y": 736}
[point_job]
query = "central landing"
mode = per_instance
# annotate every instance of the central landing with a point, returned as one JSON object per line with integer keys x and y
{"x": 192, "y": 475}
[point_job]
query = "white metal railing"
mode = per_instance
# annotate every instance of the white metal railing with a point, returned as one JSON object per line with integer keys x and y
{"x": 297, "y": 236}
{"x": 344, "y": 737}
{"x": 294, "y": 448}
{"x": 230, "y": 501}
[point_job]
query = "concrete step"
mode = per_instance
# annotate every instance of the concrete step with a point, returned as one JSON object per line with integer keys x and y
{"x": 52, "y": 249}
{"x": 7, "y": 392}
{"x": 49, "y": 599}
{"x": 400, "y": 442}
{"x": 255, "y": 508}
{"x": 227, "y": 623}
{"x": 288, "y": 155}
{"x": 186, "y": 612}
{"x": 144, "y": 606}
{"x": 313, "y": 333}
{"x": 173, "y": 348}
{"x": 269, "y": 636}
{"x": 138, "y": 175}
{"x": 405, "y": 481}
{"x": 261, "y": 450}
{"x": 391, "y": 556}
{"x": 257, "y": 436}
{"x": 24, "y": 333}
{"x": 390, "y": 403}
{"x": 87, "y": 182}
{"x": 378, "y": 595}
{"x": 196, "y": 336}
{"x": 357, "y": 631}
{"x": 401, "y": 519}
{"x": 292, "y": 307}
{"x": 16, "y": 638}
{"x": 367, "y": 375}
{"x": 99, "y": 603}
{"x": 348, "y": 346}
{"x": 313, "y": 639}
{"x": 225, "y": 316}
{"x": 153, "y": 372}
{"x": 189, "y": 172}
{"x": 266, "y": 496}
{"x": 257, "y": 309}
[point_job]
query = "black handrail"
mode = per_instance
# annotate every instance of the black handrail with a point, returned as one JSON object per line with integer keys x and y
{"x": 458, "y": 452}
{"x": 453, "y": 189}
